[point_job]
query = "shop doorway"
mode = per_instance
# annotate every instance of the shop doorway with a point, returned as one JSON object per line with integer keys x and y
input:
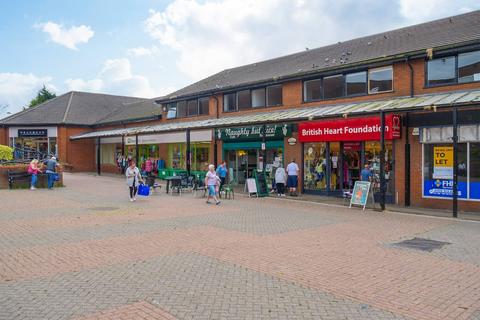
{"x": 242, "y": 163}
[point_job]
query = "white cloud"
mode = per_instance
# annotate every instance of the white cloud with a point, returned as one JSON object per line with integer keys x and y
{"x": 17, "y": 89}
{"x": 139, "y": 52}
{"x": 420, "y": 11}
{"x": 210, "y": 35}
{"x": 69, "y": 38}
{"x": 116, "y": 77}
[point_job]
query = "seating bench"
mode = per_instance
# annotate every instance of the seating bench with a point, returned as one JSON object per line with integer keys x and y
{"x": 17, "y": 176}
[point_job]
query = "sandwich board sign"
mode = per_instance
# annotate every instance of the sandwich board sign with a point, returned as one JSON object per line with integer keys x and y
{"x": 251, "y": 187}
{"x": 360, "y": 194}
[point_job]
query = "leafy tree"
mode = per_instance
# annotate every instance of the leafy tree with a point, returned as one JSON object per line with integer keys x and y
{"x": 42, "y": 96}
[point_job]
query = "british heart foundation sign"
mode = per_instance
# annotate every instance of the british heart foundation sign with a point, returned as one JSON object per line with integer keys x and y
{"x": 354, "y": 129}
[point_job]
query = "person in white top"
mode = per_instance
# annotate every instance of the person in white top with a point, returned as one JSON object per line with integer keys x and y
{"x": 212, "y": 181}
{"x": 133, "y": 179}
{"x": 280, "y": 180}
{"x": 292, "y": 181}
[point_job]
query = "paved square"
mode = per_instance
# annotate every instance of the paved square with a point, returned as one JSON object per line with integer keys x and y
{"x": 86, "y": 252}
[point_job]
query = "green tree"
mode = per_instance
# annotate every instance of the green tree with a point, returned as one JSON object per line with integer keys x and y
{"x": 42, "y": 96}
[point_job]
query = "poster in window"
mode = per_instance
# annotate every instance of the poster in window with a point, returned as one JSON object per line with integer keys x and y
{"x": 442, "y": 188}
{"x": 443, "y": 163}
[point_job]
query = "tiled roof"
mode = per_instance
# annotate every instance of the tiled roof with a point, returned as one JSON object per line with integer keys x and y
{"x": 142, "y": 110}
{"x": 74, "y": 107}
{"x": 453, "y": 31}
{"x": 302, "y": 114}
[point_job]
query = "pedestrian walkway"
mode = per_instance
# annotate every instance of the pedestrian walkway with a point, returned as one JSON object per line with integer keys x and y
{"x": 86, "y": 252}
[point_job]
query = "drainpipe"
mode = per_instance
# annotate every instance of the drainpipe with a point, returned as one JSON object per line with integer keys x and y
{"x": 98, "y": 157}
{"x": 215, "y": 151}
{"x": 407, "y": 160}
{"x": 407, "y": 60}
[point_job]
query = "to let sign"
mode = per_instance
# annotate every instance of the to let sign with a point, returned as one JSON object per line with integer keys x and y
{"x": 443, "y": 163}
{"x": 356, "y": 129}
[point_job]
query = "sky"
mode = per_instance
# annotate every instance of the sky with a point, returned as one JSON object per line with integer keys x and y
{"x": 149, "y": 48}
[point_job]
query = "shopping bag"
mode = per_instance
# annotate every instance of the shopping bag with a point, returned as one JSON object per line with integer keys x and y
{"x": 143, "y": 190}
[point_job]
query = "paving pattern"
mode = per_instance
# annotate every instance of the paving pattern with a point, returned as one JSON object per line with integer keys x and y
{"x": 85, "y": 252}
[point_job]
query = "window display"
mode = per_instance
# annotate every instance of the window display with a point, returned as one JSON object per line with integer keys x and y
{"x": 315, "y": 166}
{"x": 372, "y": 158}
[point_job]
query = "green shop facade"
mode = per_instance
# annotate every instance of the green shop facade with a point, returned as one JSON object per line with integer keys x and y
{"x": 246, "y": 149}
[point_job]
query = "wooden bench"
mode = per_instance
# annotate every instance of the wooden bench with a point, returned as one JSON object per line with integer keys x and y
{"x": 17, "y": 176}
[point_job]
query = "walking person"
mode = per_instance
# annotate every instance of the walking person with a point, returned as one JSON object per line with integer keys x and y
{"x": 34, "y": 171}
{"x": 280, "y": 180}
{"x": 366, "y": 174}
{"x": 292, "y": 181}
{"x": 133, "y": 180}
{"x": 222, "y": 173}
{"x": 149, "y": 167}
{"x": 51, "y": 169}
{"x": 212, "y": 181}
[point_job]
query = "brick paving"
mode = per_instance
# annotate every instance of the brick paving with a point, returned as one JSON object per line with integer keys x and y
{"x": 86, "y": 252}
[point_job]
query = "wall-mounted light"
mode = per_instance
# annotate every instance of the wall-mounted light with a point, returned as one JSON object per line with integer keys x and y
{"x": 345, "y": 115}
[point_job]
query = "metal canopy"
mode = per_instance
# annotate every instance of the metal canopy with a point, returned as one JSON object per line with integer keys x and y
{"x": 299, "y": 114}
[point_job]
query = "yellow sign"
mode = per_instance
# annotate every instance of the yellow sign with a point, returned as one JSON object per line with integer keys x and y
{"x": 443, "y": 162}
{"x": 443, "y": 156}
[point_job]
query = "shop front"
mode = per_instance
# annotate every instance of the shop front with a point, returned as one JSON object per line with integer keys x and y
{"x": 168, "y": 151}
{"x": 244, "y": 149}
{"x": 42, "y": 140}
{"x": 437, "y": 159}
{"x": 336, "y": 151}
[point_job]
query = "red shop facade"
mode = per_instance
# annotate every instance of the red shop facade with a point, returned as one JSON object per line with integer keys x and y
{"x": 335, "y": 152}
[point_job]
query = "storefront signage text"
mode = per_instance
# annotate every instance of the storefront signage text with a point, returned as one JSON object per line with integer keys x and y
{"x": 443, "y": 162}
{"x": 32, "y": 132}
{"x": 356, "y": 129}
{"x": 443, "y": 189}
{"x": 253, "y": 132}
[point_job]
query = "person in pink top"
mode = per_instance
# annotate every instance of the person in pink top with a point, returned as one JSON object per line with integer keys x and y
{"x": 149, "y": 166}
{"x": 212, "y": 181}
{"x": 34, "y": 171}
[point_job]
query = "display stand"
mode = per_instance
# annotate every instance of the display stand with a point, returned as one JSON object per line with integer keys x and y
{"x": 261, "y": 182}
{"x": 360, "y": 193}
{"x": 251, "y": 187}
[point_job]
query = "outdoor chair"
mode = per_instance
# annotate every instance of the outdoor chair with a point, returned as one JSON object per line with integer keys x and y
{"x": 199, "y": 187}
{"x": 228, "y": 190}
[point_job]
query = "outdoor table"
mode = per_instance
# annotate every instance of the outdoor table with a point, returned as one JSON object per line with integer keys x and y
{"x": 168, "y": 179}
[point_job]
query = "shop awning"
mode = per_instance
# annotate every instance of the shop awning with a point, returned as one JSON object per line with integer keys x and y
{"x": 300, "y": 114}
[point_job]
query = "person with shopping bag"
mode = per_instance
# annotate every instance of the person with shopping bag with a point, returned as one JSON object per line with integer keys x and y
{"x": 133, "y": 180}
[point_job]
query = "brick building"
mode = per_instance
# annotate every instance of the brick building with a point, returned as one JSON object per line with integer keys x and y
{"x": 322, "y": 107}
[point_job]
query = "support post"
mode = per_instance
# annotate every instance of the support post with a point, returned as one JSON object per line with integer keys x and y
{"x": 99, "y": 165}
{"x": 189, "y": 160}
{"x": 215, "y": 151}
{"x": 407, "y": 161}
{"x": 382, "y": 161}
{"x": 455, "y": 163}
{"x": 264, "y": 151}
{"x": 136, "y": 150}
{"x": 123, "y": 146}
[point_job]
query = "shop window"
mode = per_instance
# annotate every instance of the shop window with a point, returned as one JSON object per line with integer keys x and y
{"x": 333, "y": 87}
{"x": 176, "y": 155}
{"x": 372, "y": 158}
{"x": 172, "y": 110}
{"x": 258, "y": 98}
{"x": 474, "y": 171}
{"x": 315, "y": 166}
{"x": 356, "y": 83}
{"x": 380, "y": 80}
{"x": 192, "y": 107}
{"x": 441, "y": 71}
{"x": 438, "y": 170}
{"x": 182, "y": 109}
{"x": 203, "y": 107}
{"x": 274, "y": 95}
{"x": 229, "y": 102}
{"x": 243, "y": 100}
{"x": 469, "y": 67}
{"x": 312, "y": 90}
{"x": 107, "y": 154}
{"x": 200, "y": 156}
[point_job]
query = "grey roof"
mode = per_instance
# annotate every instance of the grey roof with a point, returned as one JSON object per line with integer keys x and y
{"x": 142, "y": 110}
{"x": 457, "y": 30}
{"x": 80, "y": 108}
{"x": 302, "y": 114}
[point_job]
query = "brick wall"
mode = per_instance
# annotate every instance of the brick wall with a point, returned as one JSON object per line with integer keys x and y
{"x": 80, "y": 154}
{"x": 4, "y": 136}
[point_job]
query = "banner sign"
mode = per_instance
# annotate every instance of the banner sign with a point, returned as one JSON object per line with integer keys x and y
{"x": 32, "y": 132}
{"x": 442, "y": 163}
{"x": 355, "y": 129}
{"x": 277, "y": 131}
{"x": 360, "y": 193}
{"x": 443, "y": 189}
